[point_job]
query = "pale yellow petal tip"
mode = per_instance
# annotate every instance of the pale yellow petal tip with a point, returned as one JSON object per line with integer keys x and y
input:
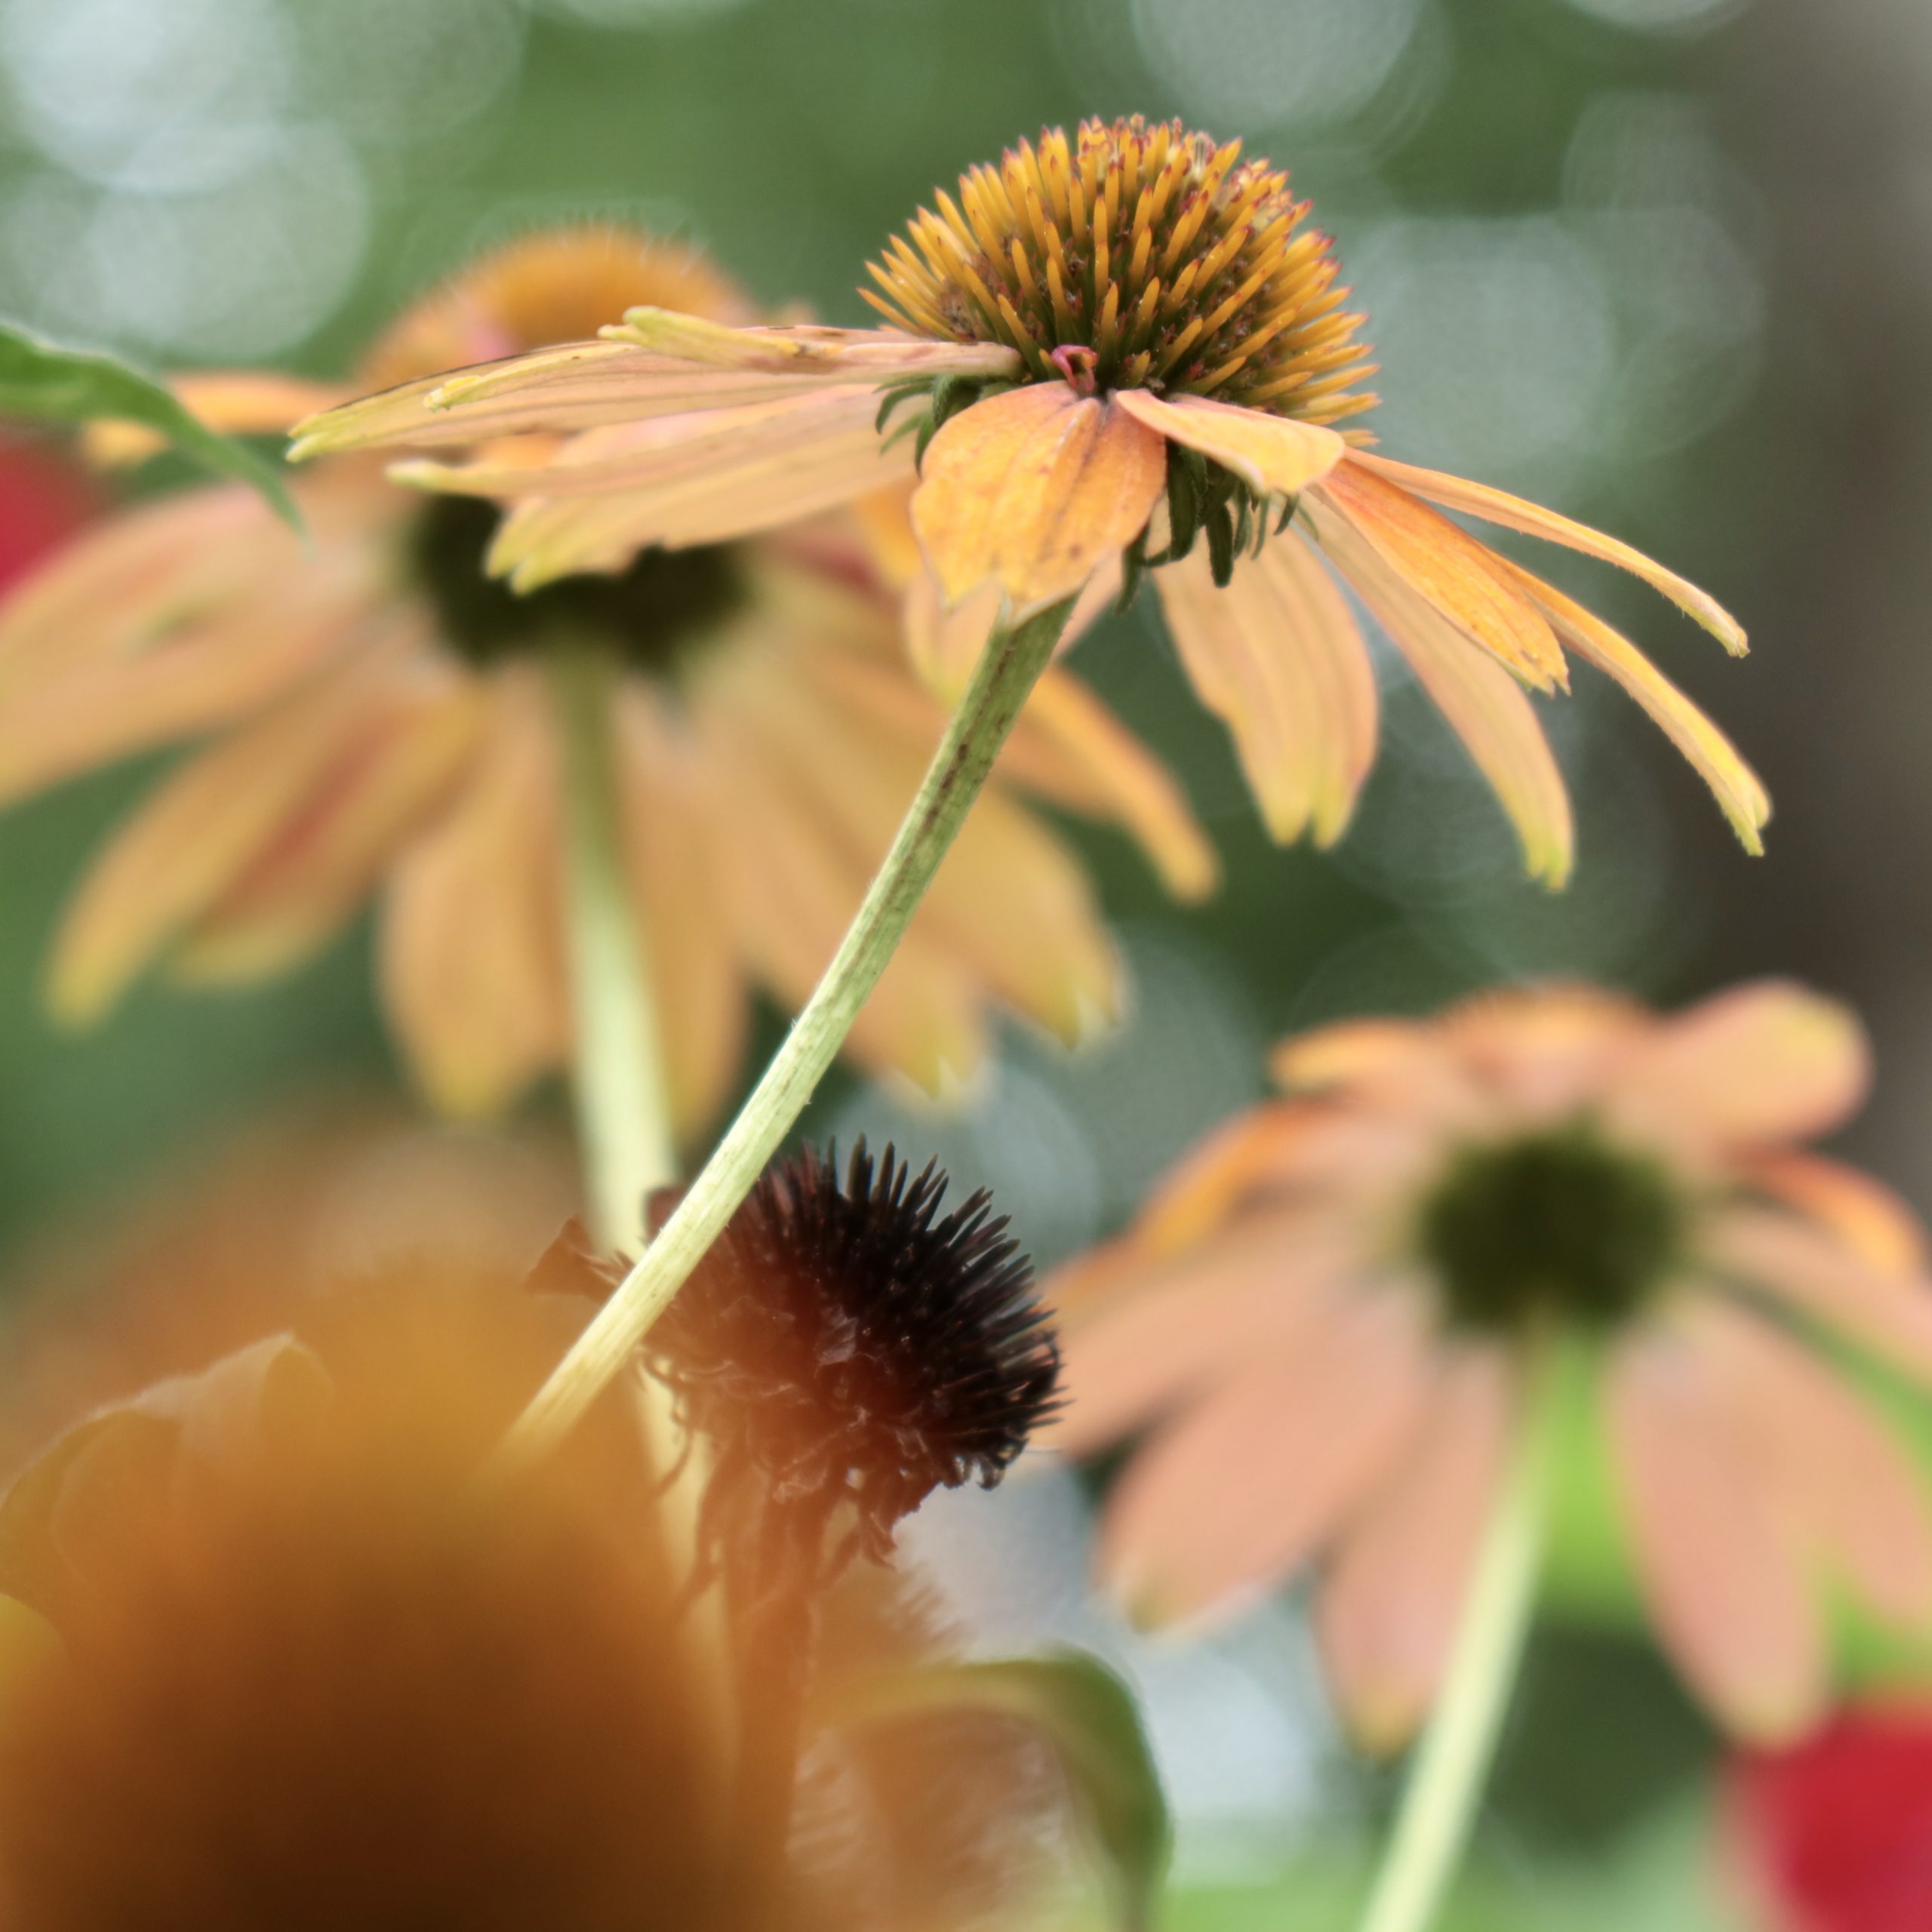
{"x": 78, "y": 998}
{"x": 1381, "y": 1721}
{"x": 1773, "y": 1719}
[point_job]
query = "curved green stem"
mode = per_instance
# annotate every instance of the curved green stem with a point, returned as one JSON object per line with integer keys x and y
{"x": 1009, "y": 670}
{"x": 624, "y": 1108}
{"x": 1451, "y": 1764}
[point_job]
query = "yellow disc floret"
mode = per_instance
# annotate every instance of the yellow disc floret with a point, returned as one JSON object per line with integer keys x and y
{"x": 1141, "y": 257}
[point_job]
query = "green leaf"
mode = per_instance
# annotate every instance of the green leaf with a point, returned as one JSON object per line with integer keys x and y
{"x": 1086, "y": 1714}
{"x": 41, "y": 380}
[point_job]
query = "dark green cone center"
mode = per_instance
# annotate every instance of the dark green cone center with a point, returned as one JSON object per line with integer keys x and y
{"x": 1561, "y": 1227}
{"x": 654, "y": 614}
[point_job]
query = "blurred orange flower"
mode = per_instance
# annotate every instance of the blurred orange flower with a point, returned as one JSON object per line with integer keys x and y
{"x": 379, "y": 718}
{"x": 1116, "y": 346}
{"x": 1327, "y": 1311}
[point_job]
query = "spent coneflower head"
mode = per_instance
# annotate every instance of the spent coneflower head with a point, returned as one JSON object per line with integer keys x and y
{"x": 1328, "y": 1320}
{"x": 1124, "y": 350}
{"x": 373, "y": 715}
{"x": 846, "y": 1344}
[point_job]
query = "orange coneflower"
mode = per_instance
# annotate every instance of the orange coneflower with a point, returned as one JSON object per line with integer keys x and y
{"x": 379, "y": 717}
{"x": 1328, "y": 1312}
{"x": 1126, "y": 349}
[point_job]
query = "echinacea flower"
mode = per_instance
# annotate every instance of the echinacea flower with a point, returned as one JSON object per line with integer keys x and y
{"x": 1327, "y": 1316}
{"x": 1831, "y": 1835}
{"x": 1124, "y": 350}
{"x": 377, "y": 718}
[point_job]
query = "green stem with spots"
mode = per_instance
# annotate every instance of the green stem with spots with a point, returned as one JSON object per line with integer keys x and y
{"x": 1451, "y": 1764}
{"x": 1008, "y": 668}
{"x": 622, "y": 1105}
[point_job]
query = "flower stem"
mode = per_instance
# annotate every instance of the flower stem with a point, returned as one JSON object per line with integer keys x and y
{"x": 1451, "y": 1764}
{"x": 1008, "y": 668}
{"x": 623, "y": 1110}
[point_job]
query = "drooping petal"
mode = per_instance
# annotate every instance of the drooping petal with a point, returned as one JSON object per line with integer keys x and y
{"x": 299, "y": 889}
{"x": 1846, "y": 1481}
{"x": 1388, "y": 1610}
{"x": 1827, "y": 1281}
{"x": 1034, "y": 491}
{"x": 1445, "y": 567}
{"x": 472, "y": 958}
{"x": 1157, "y": 1329}
{"x": 1720, "y": 1564}
{"x": 1009, "y": 899}
{"x": 1872, "y": 1221}
{"x": 198, "y": 835}
{"x": 871, "y": 355}
{"x": 1484, "y": 704}
{"x": 1273, "y": 455}
{"x": 1276, "y": 653}
{"x": 1736, "y": 787}
{"x": 1763, "y": 1063}
{"x": 1457, "y": 493}
{"x": 701, "y": 996}
{"x": 1232, "y": 1498}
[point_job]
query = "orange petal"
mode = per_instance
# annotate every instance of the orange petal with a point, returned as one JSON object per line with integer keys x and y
{"x": 1872, "y": 1221}
{"x": 1034, "y": 491}
{"x": 945, "y": 644}
{"x": 1339, "y": 1055}
{"x": 1231, "y": 1500}
{"x": 1719, "y": 1562}
{"x": 1277, "y": 654}
{"x": 870, "y": 355}
{"x": 201, "y": 830}
{"x": 1485, "y": 706}
{"x": 702, "y": 1003}
{"x": 1273, "y": 455}
{"x": 471, "y": 960}
{"x": 1158, "y": 1329}
{"x": 1736, "y": 787}
{"x": 1763, "y": 1063}
{"x": 299, "y": 889}
{"x": 1446, "y": 568}
{"x": 1457, "y": 493}
{"x": 1388, "y": 1610}
{"x": 1847, "y": 1482}
{"x": 1827, "y": 1282}
{"x": 1073, "y": 751}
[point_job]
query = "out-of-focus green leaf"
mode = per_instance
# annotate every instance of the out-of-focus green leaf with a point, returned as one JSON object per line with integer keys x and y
{"x": 1088, "y": 1716}
{"x": 43, "y": 380}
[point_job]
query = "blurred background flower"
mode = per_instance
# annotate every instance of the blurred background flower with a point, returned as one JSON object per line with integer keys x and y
{"x": 1693, "y": 233}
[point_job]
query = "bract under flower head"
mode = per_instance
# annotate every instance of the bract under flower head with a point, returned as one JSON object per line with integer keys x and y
{"x": 1136, "y": 256}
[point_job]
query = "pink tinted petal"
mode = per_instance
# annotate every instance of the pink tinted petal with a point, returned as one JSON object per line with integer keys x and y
{"x": 1847, "y": 1482}
{"x": 1233, "y": 1496}
{"x": 1827, "y": 1281}
{"x": 1389, "y": 1607}
{"x": 1546, "y": 1052}
{"x": 1719, "y": 1562}
{"x": 1872, "y": 1221}
{"x": 1156, "y": 1329}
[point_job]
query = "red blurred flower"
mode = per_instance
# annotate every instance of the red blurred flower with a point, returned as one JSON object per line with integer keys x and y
{"x": 1837, "y": 1832}
{"x": 44, "y": 497}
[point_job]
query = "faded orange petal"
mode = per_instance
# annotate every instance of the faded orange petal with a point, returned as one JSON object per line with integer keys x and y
{"x": 1034, "y": 491}
{"x": 1872, "y": 1221}
{"x": 1766, "y": 1061}
{"x": 1350, "y": 1050}
{"x": 1273, "y": 455}
{"x": 945, "y": 645}
{"x": 322, "y": 864}
{"x": 1446, "y": 568}
{"x": 1484, "y": 704}
{"x": 870, "y": 355}
{"x": 1827, "y": 1281}
{"x": 472, "y": 961}
{"x": 237, "y": 402}
{"x": 702, "y": 998}
{"x": 1719, "y": 1565}
{"x": 1233, "y": 1497}
{"x": 1457, "y": 493}
{"x": 1276, "y": 653}
{"x": 1736, "y": 787}
{"x": 1157, "y": 1329}
{"x": 199, "y": 832}
{"x": 1845, "y": 1479}
{"x": 1388, "y": 1610}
